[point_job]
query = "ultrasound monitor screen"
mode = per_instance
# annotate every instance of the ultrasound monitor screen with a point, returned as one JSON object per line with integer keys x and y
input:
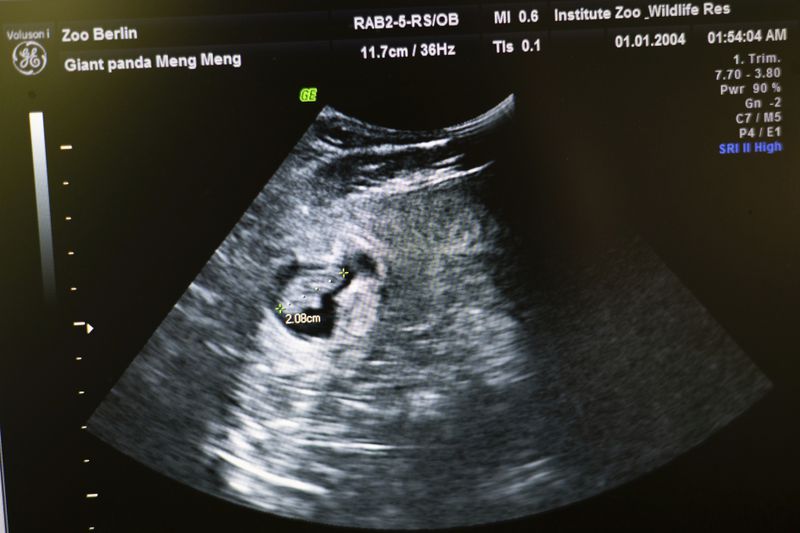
{"x": 399, "y": 266}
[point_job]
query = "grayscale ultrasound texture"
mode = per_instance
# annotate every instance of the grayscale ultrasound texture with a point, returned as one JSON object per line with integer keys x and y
{"x": 445, "y": 385}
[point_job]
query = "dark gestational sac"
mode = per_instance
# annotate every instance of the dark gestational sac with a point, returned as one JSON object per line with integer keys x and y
{"x": 367, "y": 348}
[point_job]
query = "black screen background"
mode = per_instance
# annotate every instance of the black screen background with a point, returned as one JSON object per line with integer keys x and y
{"x": 604, "y": 141}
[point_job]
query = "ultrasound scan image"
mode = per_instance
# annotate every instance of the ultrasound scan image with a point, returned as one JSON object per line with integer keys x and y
{"x": 374, "y": 345}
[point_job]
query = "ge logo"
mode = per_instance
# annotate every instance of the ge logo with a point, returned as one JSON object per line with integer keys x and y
{"x": 29, "y": 58}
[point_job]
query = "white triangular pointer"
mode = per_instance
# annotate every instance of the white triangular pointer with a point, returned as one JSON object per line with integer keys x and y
{"x": 89, "y": 328}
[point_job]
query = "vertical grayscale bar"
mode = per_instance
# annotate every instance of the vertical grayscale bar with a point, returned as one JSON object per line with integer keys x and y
{"x": 3, "y": 512}
{"x": 39, "y": 152}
